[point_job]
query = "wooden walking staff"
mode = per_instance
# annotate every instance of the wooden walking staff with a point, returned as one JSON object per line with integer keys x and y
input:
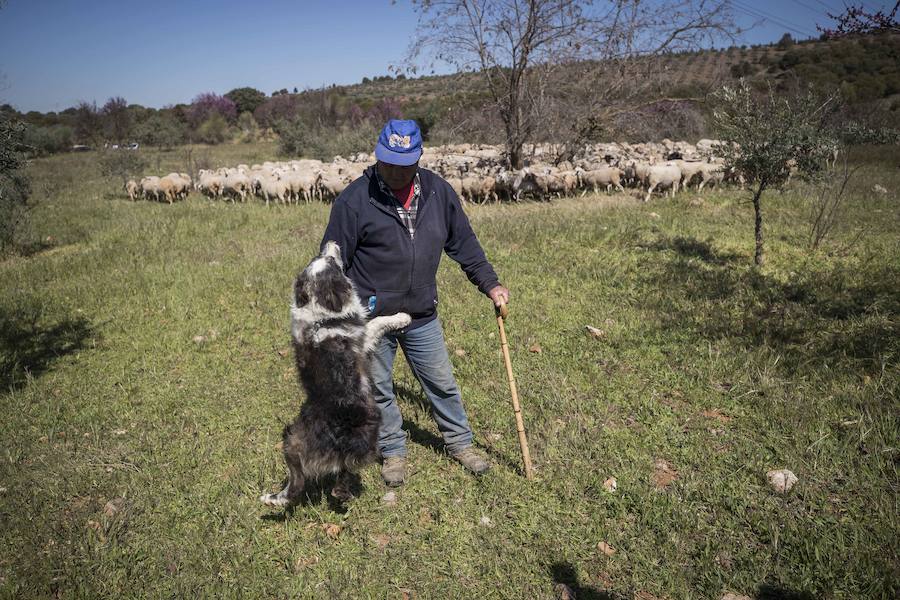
{"x": 502, "y": 312}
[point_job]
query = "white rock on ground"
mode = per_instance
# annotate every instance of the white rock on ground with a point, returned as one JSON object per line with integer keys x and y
{"x": 781, "y": 480}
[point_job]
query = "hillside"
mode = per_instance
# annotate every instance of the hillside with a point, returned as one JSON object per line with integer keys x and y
{"x": 648, "y": 99}
{"x": 866, "y": 69}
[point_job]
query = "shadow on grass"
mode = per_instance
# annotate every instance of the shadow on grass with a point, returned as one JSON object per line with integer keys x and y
{"x": 27, "y": 347}
{"x": 774, "y": 592}
{"x": 832, "y": 315}
{"x": 564, "y": 573}
{"x": 427, "y": 439}
{"x": 32, "y": 247}
{"x": 315, "y": 491}
{"x": 693, "y": 248}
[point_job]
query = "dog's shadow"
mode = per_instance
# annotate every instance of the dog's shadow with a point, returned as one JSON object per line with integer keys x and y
{"x": 314, "y": 493}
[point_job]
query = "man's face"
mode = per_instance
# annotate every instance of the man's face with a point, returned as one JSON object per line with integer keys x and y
{"x": 397, "y": 176}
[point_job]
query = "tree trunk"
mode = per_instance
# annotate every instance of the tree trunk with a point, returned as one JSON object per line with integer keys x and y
{"x": 758, "y": 257}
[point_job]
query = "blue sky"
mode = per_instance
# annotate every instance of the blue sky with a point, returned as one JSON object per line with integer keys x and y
{"x": 54, "y": 53}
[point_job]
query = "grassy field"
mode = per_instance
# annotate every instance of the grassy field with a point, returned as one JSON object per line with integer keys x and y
{"x": 133, "y": 451}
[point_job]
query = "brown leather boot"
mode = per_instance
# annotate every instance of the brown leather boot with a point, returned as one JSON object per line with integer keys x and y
{"x": 393, "y": 470}
{"x": 472, "y": 460}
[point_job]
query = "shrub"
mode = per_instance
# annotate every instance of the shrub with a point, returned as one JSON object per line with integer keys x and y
{"x": 213, "y": 130}
{"x": 249, "y": 128}
{"x": 122, "y": 164}
{"x": 41, "y": 141}
{"x": 741, "y": 69}
{"x": 281, "y": 107}
{"x": 298, "y": 138}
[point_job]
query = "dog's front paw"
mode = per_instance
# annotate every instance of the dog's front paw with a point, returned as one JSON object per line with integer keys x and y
{"x": 275, "y": 500}
{"x": 341, "y": 494}
{"x": 402, "y": 320}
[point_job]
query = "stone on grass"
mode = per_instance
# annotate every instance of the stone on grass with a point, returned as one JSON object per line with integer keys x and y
{"x": 594, "y": 332}
{"x": 564, "y": 592}
{"x": 113, "y": 507}
{"x": 781, "y": 480}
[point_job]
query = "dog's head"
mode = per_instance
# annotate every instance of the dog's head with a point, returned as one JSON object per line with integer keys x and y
{"x": 323, "y": 283}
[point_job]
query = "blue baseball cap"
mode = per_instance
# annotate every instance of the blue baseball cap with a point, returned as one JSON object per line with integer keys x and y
{"x": 400, "y": 143}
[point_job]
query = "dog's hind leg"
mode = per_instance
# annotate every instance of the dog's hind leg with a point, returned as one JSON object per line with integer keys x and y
{"x": 293, "y": 489}
{"x": 341, "y": 489}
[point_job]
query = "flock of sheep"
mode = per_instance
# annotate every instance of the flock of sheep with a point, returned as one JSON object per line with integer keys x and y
{"x": 476, "y": 172}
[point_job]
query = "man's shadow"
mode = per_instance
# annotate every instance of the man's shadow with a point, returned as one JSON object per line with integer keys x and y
{"x": 564, "y": 573}
{"x": 429, "y": 440}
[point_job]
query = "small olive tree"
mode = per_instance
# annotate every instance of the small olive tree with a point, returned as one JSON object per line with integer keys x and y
{"x": 121, "y": 164}
{"x": 769, "y": 137}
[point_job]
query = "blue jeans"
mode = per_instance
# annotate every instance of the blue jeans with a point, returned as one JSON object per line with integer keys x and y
{"x": 426, "y": 354}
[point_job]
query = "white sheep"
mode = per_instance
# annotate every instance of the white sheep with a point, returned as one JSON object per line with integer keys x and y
{"x": 132, "y": 189}
{"x": 273, "y": 188}
{"x": 662, "y": 176}
{"x": 603, "y": 176}
{"x": 150, "y": 187}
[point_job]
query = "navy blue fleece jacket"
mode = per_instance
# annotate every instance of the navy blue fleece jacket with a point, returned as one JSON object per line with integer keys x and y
{"x": 383, "y": 260}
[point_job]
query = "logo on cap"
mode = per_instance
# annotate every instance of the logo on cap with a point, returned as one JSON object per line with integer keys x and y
{"x": 398, "y": 140}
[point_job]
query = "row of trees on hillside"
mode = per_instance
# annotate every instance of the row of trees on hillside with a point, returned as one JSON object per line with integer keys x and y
{"x": 243, "y": 114}
{"x": 568, "y": 71}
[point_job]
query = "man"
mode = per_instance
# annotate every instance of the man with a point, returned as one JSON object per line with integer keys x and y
{"x": 392, "y": 225}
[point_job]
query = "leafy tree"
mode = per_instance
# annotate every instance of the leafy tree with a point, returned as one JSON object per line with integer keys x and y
{"x": 14, "y": 185}
{"x": 766, "y": 139}
{"x": 162, "y": 130}
{"x": 88, "y": 122}
{"x": 785, "y": 42}
{"x": 116, "y": 119}
{"x": 207, "y": 105}
{"x": 246, "y": 99}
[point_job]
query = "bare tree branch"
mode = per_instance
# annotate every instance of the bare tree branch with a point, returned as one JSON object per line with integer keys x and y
{"x": 517, "y": 46}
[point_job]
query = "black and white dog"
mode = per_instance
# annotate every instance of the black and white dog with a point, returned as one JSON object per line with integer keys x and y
{"x": 337, "y": 429}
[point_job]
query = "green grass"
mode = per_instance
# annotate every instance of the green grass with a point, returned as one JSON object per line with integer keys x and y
{"x": 106, "y": 395}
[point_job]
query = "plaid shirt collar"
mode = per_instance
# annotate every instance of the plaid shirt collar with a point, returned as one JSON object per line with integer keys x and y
{"x": 407, "y": 215}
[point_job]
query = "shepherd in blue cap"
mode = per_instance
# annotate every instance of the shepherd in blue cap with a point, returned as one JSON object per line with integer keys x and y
{"x": 393, "y": 224}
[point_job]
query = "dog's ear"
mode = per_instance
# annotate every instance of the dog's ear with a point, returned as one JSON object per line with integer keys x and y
{"x": 336, "y": 290}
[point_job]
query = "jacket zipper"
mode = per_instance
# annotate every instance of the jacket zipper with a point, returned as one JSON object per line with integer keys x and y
{"x": 412, "y": 240}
